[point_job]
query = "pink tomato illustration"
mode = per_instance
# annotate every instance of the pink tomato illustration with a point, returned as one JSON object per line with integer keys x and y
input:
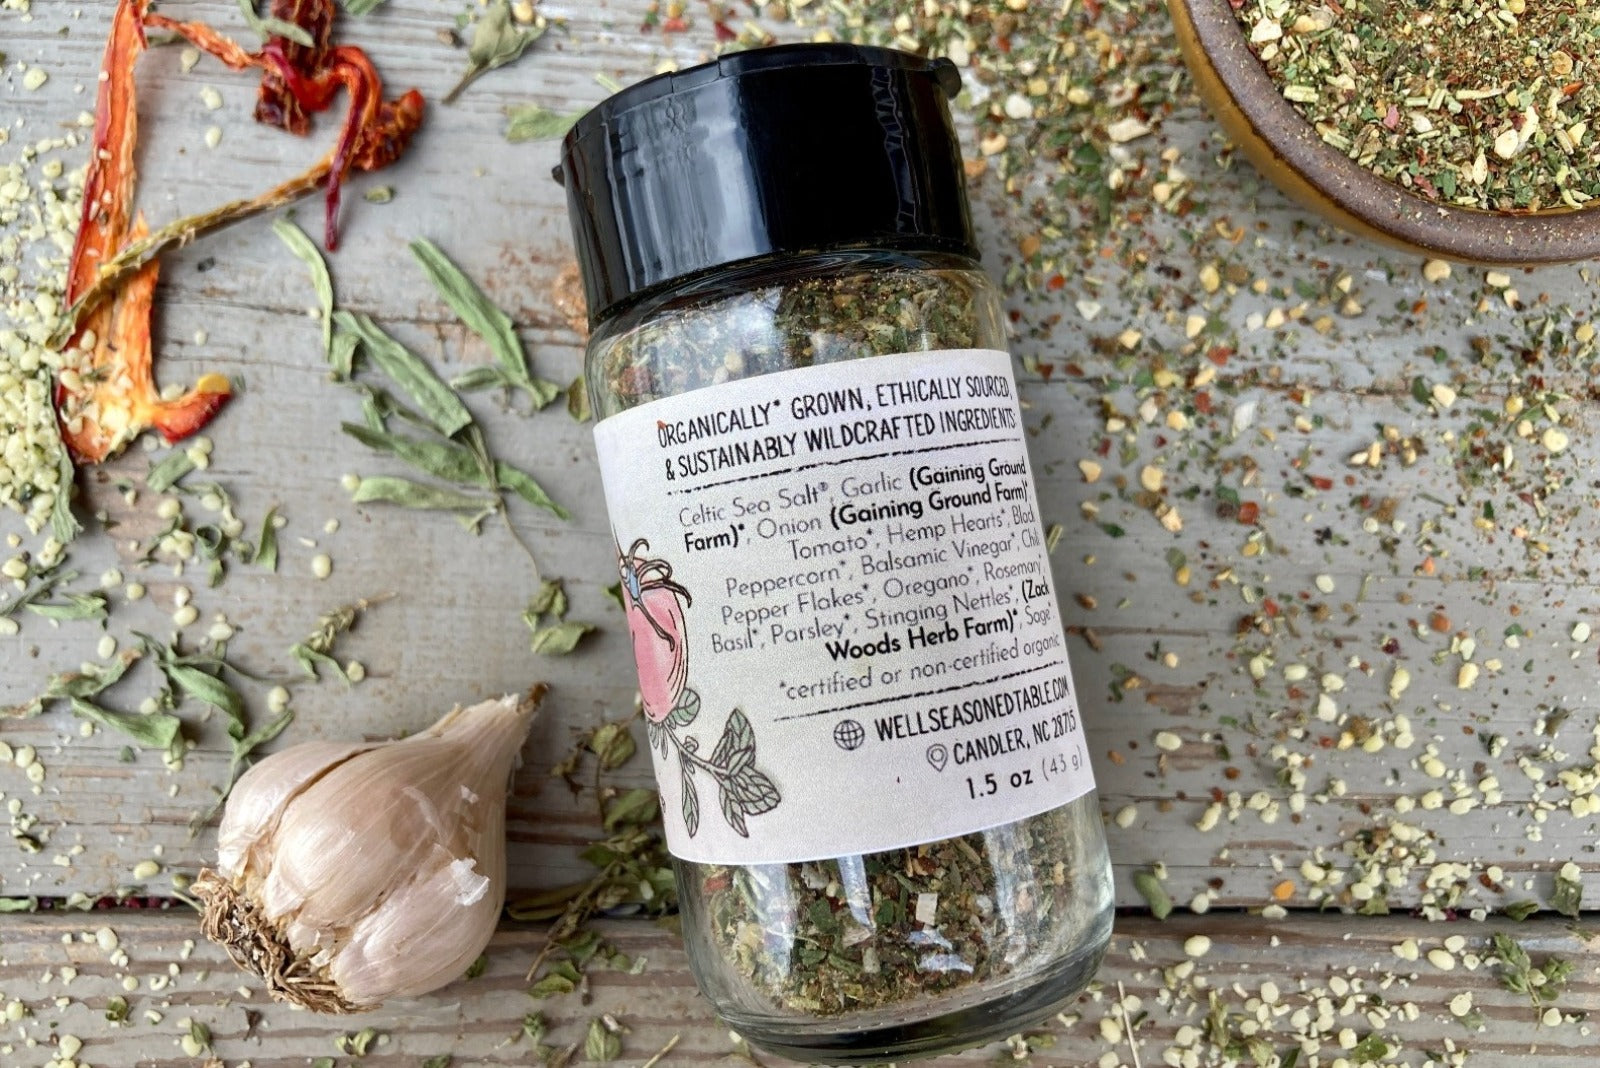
{"x": 655, "y": 604}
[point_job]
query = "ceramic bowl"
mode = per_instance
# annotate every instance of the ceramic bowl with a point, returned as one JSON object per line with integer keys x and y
{"x": 1284, "y": 147}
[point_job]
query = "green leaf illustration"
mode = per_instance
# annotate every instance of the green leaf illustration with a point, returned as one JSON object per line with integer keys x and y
{"x": 685, "y": 711}
{"x": 736, "y": 748}
{"x": 691, "y": 801}
{"x": 732, "y": 812}
{"x": 754, "y": 791}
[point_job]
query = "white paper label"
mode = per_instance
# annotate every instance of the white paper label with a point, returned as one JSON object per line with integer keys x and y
{"x": 842, "y": 609}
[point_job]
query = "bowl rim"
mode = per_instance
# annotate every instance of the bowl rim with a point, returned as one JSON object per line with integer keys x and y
{"x": 1386, "y": 210}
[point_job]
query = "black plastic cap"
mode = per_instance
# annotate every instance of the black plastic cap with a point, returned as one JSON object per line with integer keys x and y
{"x": 772, "y": 151}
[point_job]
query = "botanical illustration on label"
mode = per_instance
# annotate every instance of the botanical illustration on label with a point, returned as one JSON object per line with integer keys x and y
{"x": 841, "y": 609}
{"x": 655, "y": 604}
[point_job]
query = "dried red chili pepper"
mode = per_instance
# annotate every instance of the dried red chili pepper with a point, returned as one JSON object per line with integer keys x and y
{"x": 114, "y": 268}
{"x": 103, "y": 407}
{"x": 298, "y": 81}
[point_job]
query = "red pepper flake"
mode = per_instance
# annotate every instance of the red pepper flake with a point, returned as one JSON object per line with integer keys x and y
{"x": 1249, "y": 512}
{"x": 116, "y": 397}
{"x": 114, "y": 266}
{"x": 1322, "y": 483}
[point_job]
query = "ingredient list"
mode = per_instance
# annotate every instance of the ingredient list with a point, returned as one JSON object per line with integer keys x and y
{"x": 851, "y": 566}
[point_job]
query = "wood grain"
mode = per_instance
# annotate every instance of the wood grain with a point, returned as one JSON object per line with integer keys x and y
{"x": 453, "y": 633}
{"x": 1351, "y": 968}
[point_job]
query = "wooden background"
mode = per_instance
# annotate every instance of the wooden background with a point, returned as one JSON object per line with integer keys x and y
{"x": 1355, "y": 561}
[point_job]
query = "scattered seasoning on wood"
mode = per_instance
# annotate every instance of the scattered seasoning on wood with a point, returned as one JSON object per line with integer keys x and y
{"x": 1469, "y": 102}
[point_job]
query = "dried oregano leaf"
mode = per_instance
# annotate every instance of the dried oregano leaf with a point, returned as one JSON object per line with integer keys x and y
{"x": 558, "y": 639}
{"x": 496, "y": 41}
{"x": 600, "y": 1044}
{"x": 550, "y": 599}
{"x": 533, "y": 122}
{"x": 1567, "y": 898}
{"x": 1521, "y": 910}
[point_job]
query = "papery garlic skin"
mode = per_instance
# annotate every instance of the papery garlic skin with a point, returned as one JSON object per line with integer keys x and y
{"x": 348, "y": 874}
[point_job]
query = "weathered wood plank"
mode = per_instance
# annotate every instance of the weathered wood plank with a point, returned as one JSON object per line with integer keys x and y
{"x": 1347, "y": 974}
{"x": 453, "y": 633}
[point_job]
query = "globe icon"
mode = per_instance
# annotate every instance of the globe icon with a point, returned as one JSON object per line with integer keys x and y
{"x": 849, "y": 734}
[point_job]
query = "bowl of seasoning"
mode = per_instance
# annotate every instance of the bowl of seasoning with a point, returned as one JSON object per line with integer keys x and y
{"x": 1458, "y": 129}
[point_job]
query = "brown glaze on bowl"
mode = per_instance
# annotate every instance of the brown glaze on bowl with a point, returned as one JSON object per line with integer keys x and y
{"x": 1284, "y": 147}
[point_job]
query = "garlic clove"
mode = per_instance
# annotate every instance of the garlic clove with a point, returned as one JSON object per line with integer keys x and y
{"x": 423, "y": 936}
{"x": 396, "y": 805}
{"x": 356, "y": 873}
{"x": 257, "y": 799}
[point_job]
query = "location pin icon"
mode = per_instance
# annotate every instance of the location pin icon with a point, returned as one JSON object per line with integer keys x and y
{"x": 938, "y": 756}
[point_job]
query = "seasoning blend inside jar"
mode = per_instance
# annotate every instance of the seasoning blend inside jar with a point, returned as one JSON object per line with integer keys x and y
{"x": 872, "y": 767}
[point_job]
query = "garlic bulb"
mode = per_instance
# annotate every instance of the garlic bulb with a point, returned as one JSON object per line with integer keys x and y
{"x": 349, "y": 873}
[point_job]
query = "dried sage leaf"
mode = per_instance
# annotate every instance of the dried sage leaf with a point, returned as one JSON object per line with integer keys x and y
{"x": 76, "y": 606}
{"x": 480, "y": 378}
{"x": 307, "y": 253}
{"x": 558, "y": 639}
{"x": 408, "y": 371}
{"x": 445, "y": 459}
{"x": 522, "y": 484}
{"x": 342, "y": 355}
{"x": 157, "y": 730}
{"x": 269, "y": 27}
{"x": 89, "y": 684}
{"x": 484, "y": 318}
{"x": 208, "y": 689}
{"x": 63, "y": 524}
{"x": 266, "y": 550}
{"x": 164, "y": 475}
{"x": 243, "y": 747}
{"x": 409, "y": 494}
{"x": 534, "y": 122}
{"x": 496, "y": 41}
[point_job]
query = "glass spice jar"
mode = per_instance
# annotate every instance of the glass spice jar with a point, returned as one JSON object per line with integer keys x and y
{"x": 874, "y": 779}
